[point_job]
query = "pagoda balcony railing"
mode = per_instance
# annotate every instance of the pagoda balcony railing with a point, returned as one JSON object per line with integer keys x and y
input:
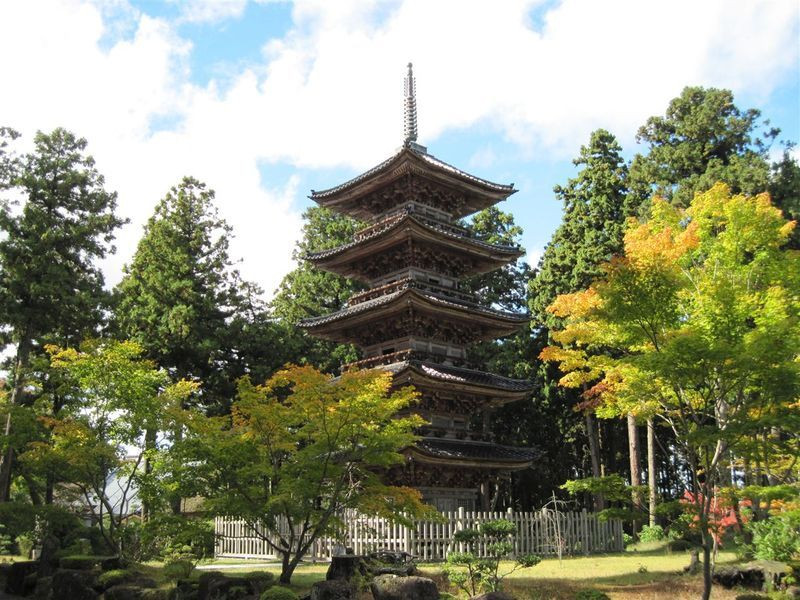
{"x": 405, "y": 355}
{"x": 454, "y": 434}
{"x": 392, "y": 217}
{"x": 409, "y": 283}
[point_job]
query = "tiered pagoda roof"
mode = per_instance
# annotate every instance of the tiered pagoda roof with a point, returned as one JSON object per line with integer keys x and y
{"x": 414, "y": 320}
{"x": 408, "y": 227}
{"x": 467, "y": 321}
{"x": 409, "y": 171}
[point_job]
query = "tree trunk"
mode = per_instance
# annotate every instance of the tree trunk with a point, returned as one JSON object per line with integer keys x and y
{"x": 288, "y": 565}
{"x": 149, "y": 444}
{"x": 651, "y": 471}
{"x": 706, "y": 567}
{"x": 175, "y": 499}
{"x": 594, "y": 453}
{"x": 634, "y": 455}
{"x": 17, "y": 392}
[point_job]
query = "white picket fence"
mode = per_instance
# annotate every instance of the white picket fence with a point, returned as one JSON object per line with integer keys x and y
{"x": 543, "y": 532}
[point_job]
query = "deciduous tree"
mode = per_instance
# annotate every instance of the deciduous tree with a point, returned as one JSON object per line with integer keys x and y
{"x": 51, "y": 289}
{"x": 300, "y": 449}
{"x": 98, "y": 445}
{"x": 596, "y": 204}
{"x": 702, "y": 319}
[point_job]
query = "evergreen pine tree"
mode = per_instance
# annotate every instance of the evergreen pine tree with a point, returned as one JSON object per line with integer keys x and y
{"x": 51, "y": 289}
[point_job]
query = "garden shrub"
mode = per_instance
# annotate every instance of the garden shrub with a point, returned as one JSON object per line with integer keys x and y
{"x": 279, "y": 593}
{"x": 52, "y": 520}
{"x": 5, "y": 541}
{"x": 178, "y": 569}
{"x": 18, "y": 518}
{"x": 591, "y": 595}
{"x": 111, "y": 578}
{"x": 651, "y": 533}
{"x": 25, "y": 543}
{"x": 78, "y": 563}
{"x": 176, "y": 537}
{"x": 260, "y": 581}
{"x": 680, "y": 545}
{"x": 777, "y": 538}
{"x": 470, "y": 572}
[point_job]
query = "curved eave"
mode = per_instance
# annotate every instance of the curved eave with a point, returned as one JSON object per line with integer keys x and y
{"x": 501, "y": 390}
{"x": 456, "y": 458}
{"x": 344, "y": 197}
{"x": 331, "y": 326}
{"x": 344, "y": 259}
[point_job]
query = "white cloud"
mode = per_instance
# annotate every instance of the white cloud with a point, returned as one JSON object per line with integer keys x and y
{"x": 210, "y": 11}
{"x": 329, "y": 92}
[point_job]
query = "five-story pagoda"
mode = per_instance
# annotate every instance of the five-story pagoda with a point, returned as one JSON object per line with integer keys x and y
{"x": 413, "y": 319}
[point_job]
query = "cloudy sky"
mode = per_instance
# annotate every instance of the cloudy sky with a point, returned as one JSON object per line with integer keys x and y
{"x": 267, "y": 100}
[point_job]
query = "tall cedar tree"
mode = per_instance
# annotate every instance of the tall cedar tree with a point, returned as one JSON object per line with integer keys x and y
{"x": 310, "y": 292}
{"x": 702, "y": 138}
{"x": 180, "y": 293}
{"x": 595, "y": 209}
{"x": 50, "y": 287}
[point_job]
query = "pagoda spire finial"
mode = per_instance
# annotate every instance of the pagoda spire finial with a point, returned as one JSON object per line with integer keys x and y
{"x": 410, "y": 112}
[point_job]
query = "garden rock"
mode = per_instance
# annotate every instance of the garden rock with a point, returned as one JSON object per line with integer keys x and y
{"x": 113, "y": 563}
{"x": 132, "y": 592}
{"x": 259, "y": 582}
{"x": 752, "y": 575}
{"x": 48, "y": 559}
{"x": 346, "y": 566}
{"x": 392, "y": 587}
{"x": 74, "y": 584}
{"x": 123, "y": 592}
{"x": 228, "y": 588}
{"x": 745, "y": 576}
{"x": 43, "y": 589}
{"x": 187, "y": 589}
{"x": 335, "y": 589}
{"x": 15, "y": 583}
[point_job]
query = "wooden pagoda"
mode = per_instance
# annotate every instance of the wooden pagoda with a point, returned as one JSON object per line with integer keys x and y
{"x": 414, "y": 321}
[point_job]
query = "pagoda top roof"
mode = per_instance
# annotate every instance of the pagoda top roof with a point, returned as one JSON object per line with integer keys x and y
{"x": 412, "y": 158}
{"x": 480, "y": 454}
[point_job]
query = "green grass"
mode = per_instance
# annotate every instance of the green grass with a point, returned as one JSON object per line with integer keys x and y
{"x": 644, "y": 571}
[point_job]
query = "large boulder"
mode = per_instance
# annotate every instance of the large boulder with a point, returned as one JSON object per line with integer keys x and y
{"x": 215, "y": 585}
{"x": 187, "y": 589}
{"x": 334, "y": 589}
{"x": 74, "y": 584}
{"x": 753, "y": 575}
{"x": 43, "y": 589}
{"x": 392, "y": 587}
{"x": 133, "y": 592}
{"x": 15, "y": 581}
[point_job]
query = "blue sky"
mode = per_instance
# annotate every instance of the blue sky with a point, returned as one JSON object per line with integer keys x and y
{"x": 266, "y": 100}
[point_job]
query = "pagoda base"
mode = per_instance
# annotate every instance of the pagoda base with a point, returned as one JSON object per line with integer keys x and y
{"x": 450, "y": 487}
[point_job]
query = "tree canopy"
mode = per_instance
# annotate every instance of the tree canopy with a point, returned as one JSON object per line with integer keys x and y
{"x": 702, "y": 318}
{"x": 298, "y": 450}
{"x": 51, "y": 288}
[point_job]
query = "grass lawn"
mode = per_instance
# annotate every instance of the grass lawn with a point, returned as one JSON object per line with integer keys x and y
{"x": 648, "y": 571}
